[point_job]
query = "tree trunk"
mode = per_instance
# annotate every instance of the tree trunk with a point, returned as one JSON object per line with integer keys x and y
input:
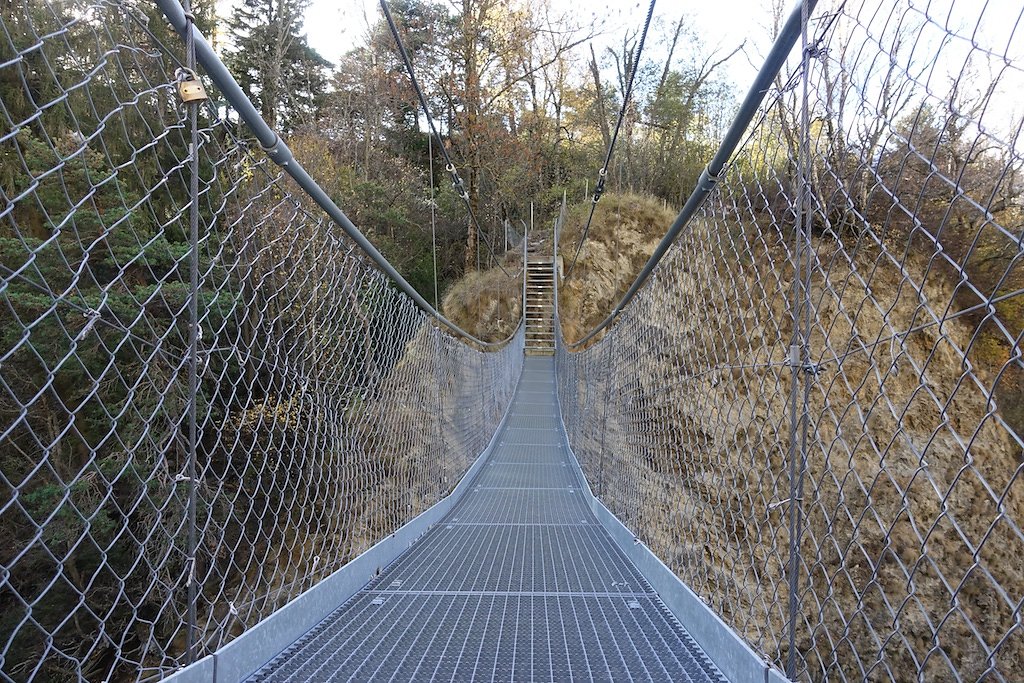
{"x": 472, "y": 87}
{"x": 602, "y": 116}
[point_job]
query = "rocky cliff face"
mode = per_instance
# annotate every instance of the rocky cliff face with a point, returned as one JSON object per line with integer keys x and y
{"x": 913, "y": 493}
{"x": 622, "y": 236}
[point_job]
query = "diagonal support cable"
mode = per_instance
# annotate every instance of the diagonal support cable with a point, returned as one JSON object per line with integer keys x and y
{"x": 457, "y": 182}
{"x": 709, "y": 178}
{"x": 281, "y": 155}
{"x": 603, "y": 173}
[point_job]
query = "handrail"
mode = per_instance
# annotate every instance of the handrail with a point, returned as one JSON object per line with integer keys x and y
{"x": 279, "y": 153}
{"x": 712, "y": 172}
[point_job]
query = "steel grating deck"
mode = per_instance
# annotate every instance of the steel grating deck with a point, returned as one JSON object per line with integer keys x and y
{"x": 519, "y": 582}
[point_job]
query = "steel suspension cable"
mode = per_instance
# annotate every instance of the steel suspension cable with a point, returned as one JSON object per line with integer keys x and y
{"x": 709, "y": 178}
{"x": 457, "y": 182}
{"x": 602, "y": 174}
{"x": 279, "y": 153}
{"x": 433, "y": 214}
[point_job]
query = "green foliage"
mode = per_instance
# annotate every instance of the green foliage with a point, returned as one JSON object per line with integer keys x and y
{"x": 90, "y": 245}
{"x": 274, "y": 63}
{"x": 95, "y": 256}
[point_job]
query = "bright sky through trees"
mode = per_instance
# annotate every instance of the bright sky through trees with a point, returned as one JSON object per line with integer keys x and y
{"x": 335, "y": 27}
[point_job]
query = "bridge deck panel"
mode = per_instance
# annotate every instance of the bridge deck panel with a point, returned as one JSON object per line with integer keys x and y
{"x": 514, "y": 559}
{"x": 519, "y": 582}
{"x": 518, "y": 474}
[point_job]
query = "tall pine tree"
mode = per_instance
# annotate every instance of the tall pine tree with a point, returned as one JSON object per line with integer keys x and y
{"x": 272, "y": 60}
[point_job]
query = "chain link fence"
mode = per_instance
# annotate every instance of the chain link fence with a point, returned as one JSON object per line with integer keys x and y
{"x": 825, "y": 371}
{"x": 329, "y": 409}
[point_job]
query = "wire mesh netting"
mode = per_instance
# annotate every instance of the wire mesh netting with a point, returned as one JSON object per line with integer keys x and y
{"x": 329, "y": 408}
{"x": 862, "y": 356}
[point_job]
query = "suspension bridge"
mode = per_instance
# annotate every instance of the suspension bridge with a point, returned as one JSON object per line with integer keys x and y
{"x": 236, "y": 444}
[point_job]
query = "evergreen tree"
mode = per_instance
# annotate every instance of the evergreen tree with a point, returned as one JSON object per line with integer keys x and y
{"x": 274, "y": 63}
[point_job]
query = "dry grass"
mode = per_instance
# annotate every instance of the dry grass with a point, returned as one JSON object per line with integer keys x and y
{"x": 625, "y": 230}
{"x": 913, "y": 494}
{"x": 911, "y": 553}
{"x": 488, "y": 303}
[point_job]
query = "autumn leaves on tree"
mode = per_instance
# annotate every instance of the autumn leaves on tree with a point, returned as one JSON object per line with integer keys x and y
{"x": 521, "y": 104}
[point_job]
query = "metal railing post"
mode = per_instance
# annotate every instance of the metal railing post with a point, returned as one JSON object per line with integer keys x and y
{"x": 526, "y": 236}
{"x": 799, "y": 353}
{"x": 604, "y": 417}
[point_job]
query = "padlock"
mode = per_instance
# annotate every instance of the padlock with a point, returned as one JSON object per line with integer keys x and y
{"x": 191, "y": 90}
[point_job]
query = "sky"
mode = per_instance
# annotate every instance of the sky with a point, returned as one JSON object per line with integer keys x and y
{"x": 953, "y": 30}
{"x": 334, "y": 26}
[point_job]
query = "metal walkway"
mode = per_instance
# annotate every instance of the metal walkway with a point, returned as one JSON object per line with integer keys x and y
{"x": 518, "y": 583}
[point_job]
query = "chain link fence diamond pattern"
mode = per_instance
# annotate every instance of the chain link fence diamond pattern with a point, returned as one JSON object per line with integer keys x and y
{"x": 689, "y": 414}
{"x": 330, "y": 410}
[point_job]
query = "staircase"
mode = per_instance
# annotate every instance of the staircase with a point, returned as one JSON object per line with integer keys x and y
{"x": 540, "y": 307}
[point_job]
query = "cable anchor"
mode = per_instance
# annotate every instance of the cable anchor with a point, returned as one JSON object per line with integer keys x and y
{"x": 813, "y": 369}
{"x": 599, "y": 185}
{"x": 817, "y": 51}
